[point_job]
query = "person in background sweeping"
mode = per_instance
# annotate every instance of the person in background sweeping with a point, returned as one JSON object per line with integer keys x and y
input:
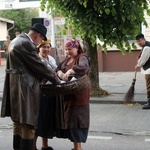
{"x": 144, "y": 63}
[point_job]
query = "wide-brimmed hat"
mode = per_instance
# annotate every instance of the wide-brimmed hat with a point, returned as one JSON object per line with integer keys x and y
{"x": 40, "y": 28}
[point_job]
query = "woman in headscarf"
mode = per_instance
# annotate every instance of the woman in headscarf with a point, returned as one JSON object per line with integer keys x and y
{"x": 76, "y": 106}
{"x": 46, "y": 123}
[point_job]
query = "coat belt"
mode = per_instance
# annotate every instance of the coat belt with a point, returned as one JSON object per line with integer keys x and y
{"x": 14, "y": 71}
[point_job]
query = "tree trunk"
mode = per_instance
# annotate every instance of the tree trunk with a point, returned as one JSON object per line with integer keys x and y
{"x": 92, "y": 54}
{"x": 96, "y": 91}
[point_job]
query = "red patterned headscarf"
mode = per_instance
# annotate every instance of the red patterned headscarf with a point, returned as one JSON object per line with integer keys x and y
{"x": 74, "y": 44}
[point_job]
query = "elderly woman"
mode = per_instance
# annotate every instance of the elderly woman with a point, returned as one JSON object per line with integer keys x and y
{"x": 76, "y": 106}
{"x": 47, "y": 104}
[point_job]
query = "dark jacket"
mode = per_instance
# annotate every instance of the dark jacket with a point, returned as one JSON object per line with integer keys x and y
{"x": 24, "y": 71}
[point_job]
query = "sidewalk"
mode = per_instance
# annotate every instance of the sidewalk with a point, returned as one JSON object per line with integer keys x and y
{"x": 116, "y": 83}
{"x": 105, "y": 119}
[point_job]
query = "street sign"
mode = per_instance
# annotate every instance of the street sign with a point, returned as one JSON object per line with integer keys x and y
{"x": 47, "y": 23}
{"x": 59, "y": 21}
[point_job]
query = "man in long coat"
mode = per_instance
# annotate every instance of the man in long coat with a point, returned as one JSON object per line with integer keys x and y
{"x": 24, "y": 71}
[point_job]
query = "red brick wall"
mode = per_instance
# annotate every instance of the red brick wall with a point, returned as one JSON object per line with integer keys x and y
{"x": 115, "y": 61}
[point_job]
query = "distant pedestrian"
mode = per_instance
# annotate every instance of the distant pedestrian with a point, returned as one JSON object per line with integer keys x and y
{"x": 21, "y": 94}
{"x": 17, "y": 33}
{"x": 6, "y": 44}
{"x": 144, "y": 63}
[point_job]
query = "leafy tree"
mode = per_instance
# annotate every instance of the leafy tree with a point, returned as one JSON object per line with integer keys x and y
{"x": 22, "y": 18}
{"x": 108, "y": 20}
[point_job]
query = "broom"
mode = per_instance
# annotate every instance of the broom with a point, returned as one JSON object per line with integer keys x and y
{"x": 129, "y": 97}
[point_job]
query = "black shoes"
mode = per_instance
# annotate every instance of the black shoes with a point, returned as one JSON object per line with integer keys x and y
{"x": 146, "y": 106}
{"x": 48, "y": 148}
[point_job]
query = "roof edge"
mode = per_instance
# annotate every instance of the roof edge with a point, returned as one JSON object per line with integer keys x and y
{"x": 7, "y": 20}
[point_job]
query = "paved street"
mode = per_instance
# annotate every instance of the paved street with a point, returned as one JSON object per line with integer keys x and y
{"x": 111, "y": 120}
{"x": 119, "y": 125}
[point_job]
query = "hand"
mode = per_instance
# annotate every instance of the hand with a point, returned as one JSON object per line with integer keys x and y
{"x": 68, "y": 74}
{"x": 138, "y": 57}
{"x": 136, "y": 67}
{"x": 60, "y": 74}
{"x": 59, "y": 80}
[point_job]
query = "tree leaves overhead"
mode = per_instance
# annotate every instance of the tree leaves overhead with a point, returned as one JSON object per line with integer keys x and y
{"x": 110, "y": 21}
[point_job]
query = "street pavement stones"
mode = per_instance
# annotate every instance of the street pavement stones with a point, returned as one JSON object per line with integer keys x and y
{"x": 117, "y": 118}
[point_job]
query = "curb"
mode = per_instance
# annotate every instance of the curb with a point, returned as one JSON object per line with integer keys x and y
{"x": 95, "y": 100}
{"x": 117, "y": 98}
{"x": 114, "y": 102}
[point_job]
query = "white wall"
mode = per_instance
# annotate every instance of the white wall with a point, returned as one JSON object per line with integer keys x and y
{"x": 15, "y": 4}
{"x": 3, "y": 31}
{"x": 147, "y": 30}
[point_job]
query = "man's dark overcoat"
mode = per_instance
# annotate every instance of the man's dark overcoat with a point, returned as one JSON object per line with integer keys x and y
{"x": 24, "y": 71}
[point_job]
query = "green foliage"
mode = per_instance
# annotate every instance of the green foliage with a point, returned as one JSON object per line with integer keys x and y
{"x": 21, "y": 17}
{"x": 110, "y": 21}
